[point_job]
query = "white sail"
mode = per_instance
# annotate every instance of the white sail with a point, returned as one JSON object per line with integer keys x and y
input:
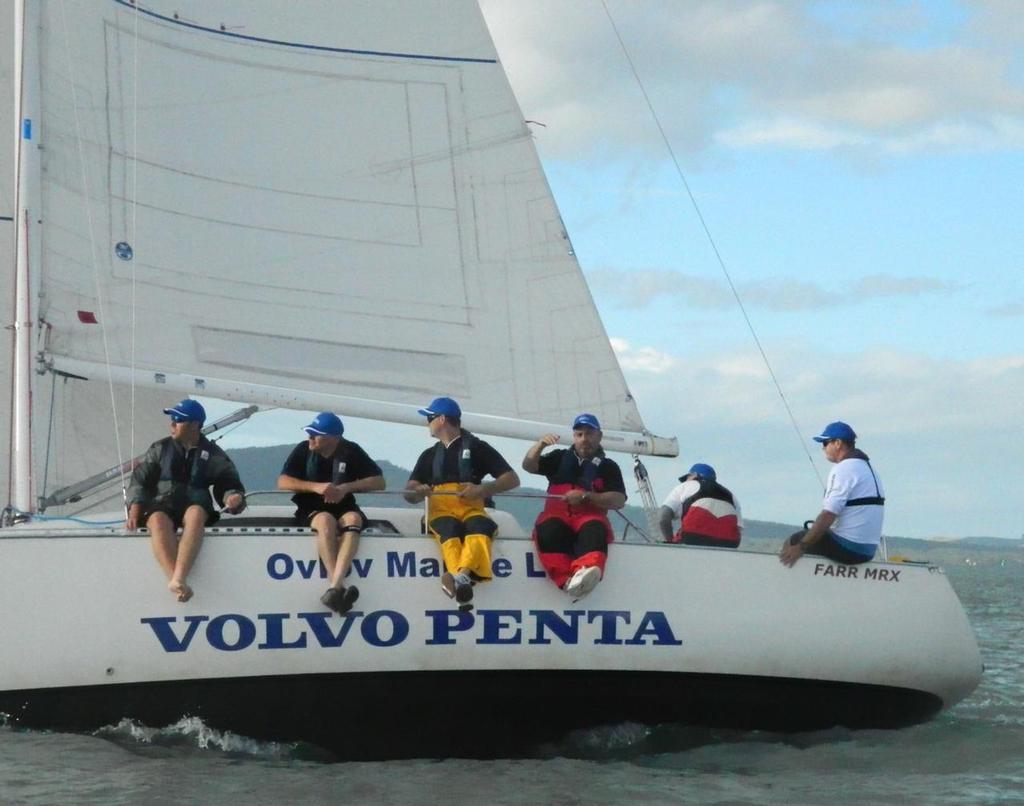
{"x": 74, "y": 435}
{"x": 319, "y": 202}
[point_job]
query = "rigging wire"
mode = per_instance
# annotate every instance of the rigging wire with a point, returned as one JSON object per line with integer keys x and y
{"x": 92, "y": 235}
{"x": 49, "y": 434}
{"x": 221, "y": 434}
{"x": 714, "y": 246}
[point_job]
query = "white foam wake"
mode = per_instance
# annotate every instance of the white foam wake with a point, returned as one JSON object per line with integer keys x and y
{"x": 192, "y": 731}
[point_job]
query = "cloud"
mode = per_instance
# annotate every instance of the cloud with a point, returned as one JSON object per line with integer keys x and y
{"x": 643, "y": 359}
{"x": 1009, "y": 309}
{"x": 639, "y": 289}
{"x": 883, "y": 285}
{"x": 767, "y": 73}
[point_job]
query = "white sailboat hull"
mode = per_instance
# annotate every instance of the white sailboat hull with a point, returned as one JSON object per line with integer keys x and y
{"x": 699, "y": 636}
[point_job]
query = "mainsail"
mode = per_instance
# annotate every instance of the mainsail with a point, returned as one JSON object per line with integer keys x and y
{"x": 311, "y": 207}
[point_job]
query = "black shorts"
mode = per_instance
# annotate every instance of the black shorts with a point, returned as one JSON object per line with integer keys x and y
{"x": 304, "y": 517}
{"x": 176, "y": 513}
{"x": 831, "y": 549}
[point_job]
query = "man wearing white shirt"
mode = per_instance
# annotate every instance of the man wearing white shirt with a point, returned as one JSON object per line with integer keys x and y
{"x": 849, "y": 527}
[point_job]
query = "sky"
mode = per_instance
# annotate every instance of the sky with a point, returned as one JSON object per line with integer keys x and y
{"x": 860, "y": 169}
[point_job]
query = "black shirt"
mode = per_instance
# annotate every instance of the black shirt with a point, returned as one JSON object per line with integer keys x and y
{"x": 483, "y": 459}
{"x": 353, "y": 464}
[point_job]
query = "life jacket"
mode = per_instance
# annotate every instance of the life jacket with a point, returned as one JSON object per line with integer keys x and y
{"x": 339, "y": 463}
{"x": 465, "y": 460}
{"x": 569, "y": 471}
{"x": 710, "y": 513}
{"x": 175, "y": 473}
{"x": 876, "y": 500}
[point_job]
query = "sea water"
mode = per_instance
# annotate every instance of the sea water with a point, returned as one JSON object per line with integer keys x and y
{"x": 972, "y": 753}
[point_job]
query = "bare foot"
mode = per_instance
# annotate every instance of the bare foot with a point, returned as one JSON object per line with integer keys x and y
{"x": 180, "y": 590}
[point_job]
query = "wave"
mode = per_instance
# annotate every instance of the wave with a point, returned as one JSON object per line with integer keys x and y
{"x": 191, "y": 733}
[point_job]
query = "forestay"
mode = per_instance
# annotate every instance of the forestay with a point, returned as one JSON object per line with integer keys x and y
{"x": 310, "y": 207}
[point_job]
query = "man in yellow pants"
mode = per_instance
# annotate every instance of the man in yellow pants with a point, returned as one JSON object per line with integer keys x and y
{"x": 451, "y": 473}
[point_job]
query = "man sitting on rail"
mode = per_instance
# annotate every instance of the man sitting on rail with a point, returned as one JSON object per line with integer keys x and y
{"x": 849, "y": 527}
{"x": 451, "y": 473}
{"x": 170, "y": 488}
{"x": 572, "y": 533}
{"x": 324, "y": 472}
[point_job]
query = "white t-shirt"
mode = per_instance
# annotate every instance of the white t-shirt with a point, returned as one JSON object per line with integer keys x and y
{"x": 849, "y": 479}
{"x": 679, "y": 493}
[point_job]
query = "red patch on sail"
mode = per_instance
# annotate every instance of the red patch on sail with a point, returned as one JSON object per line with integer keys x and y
{"x": 87, "y": 318}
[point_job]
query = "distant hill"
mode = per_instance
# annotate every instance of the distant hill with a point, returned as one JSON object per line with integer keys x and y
{"x": 259, "y": 469}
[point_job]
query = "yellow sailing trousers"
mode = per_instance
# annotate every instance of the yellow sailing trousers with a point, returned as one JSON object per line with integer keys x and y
{"x": 463, "y": 531}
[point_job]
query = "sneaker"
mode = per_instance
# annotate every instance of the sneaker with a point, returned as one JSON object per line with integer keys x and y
{"x": 448, "y": 585}
{"x": 463, "y": 592}
{"x": 347, "y": 599}
{"x": 340, "y": 600}
{"x": 583, "y": 582}
{"x": 328, "y": 598}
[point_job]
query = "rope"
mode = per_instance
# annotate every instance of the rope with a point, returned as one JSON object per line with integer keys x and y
{"x": 92, "y": 237}
{"x": 37, "y": 517}
{"x": 714, "y": 246}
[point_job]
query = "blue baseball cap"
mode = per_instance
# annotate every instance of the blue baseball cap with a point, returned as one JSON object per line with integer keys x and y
{"x": 441, "y": 406}
{"x": 586, "y": 421}
{"x": 702, "y": 470}
{"x": 187, "y": 411}
{"x": 837, "y": 430}
{"x": 325, "y": 424}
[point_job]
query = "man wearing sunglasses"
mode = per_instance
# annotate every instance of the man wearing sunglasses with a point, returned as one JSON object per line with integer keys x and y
{"x": 170, "y": 489}
{"x": 849, "y": 527}
{"x": 324, "y": 472}
{"x": 452, "y": 473}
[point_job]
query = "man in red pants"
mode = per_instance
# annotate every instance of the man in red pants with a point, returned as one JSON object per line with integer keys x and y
{"x": 572, "y": 533}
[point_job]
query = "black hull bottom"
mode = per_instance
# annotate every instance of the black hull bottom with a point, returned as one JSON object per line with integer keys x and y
{"x": 489, "y": 714}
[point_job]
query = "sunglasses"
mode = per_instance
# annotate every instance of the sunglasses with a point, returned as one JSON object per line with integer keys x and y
{"x": 432, "y": 417}
{"x": 177, "y": 418}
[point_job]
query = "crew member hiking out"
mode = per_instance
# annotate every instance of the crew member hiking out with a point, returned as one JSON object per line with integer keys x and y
{"x": 451, "y": 472}
{"x": 572, "y": 532}
{"x": 849, "y": 527}
{"x": 170, "y": 489}
{"x": 324, "y": 472}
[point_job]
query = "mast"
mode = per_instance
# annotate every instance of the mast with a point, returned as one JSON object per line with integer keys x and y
{"x": 24, "y": 156}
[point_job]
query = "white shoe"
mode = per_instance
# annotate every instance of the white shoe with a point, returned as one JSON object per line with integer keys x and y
{"x": 583, "y": 582}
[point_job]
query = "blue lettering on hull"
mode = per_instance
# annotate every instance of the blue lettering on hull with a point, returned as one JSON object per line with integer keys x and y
{"x": 400, "y": 564}
{"x": 232, "y": 632}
